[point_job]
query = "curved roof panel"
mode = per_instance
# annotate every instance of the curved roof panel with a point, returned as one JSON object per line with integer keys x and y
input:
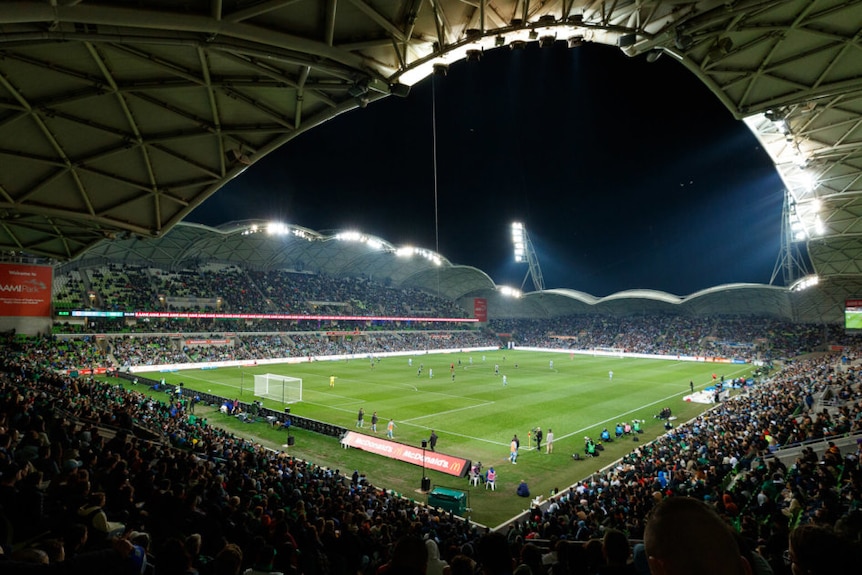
{"x": 122, "y": 118}
{"x": 263, "y": 246}
{"x": 260, "y": 245}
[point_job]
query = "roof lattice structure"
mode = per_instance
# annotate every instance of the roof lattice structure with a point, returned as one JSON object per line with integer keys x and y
{"x": 120, "y": 118}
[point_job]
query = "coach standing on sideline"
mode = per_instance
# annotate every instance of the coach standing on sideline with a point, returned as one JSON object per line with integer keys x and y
{"x": 432, "y": 441}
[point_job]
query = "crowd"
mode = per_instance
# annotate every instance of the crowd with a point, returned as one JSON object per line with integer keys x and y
{"x": 192, "y": 493}
{"x": 757, "y": 339}
{"x": 735, "y": 337}
{"x": 97, "y": 478}
{"x": 231, "y": 289}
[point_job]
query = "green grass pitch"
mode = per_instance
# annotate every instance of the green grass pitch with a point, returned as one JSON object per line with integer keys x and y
{"x": 475, "y": 415}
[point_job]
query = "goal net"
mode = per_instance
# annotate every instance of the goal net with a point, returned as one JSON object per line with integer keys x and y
{"x": 278, "y": 387}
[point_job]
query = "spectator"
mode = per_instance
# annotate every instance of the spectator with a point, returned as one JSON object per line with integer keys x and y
{"x": 684, "y": 536}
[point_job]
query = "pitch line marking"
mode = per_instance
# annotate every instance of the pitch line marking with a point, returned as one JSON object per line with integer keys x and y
{"x": 447, "y": 412}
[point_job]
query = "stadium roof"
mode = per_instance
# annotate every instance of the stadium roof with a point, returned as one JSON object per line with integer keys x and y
{"x": 262, "y": 246}
{"x": 119, "y": 118}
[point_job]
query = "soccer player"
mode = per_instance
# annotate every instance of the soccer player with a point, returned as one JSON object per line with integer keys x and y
{"x": 360, "y": 417}
{"x": 611, "y": 375}
{"x": 513, "y": 449}
{"x": 390, "y": 428}
{"x": 430, "y": 373}
{"x": 505, "y": 380}
{"x": 374, "y": 422}
{"x": 551, "y": 364}
{"x": 331, "y": 381}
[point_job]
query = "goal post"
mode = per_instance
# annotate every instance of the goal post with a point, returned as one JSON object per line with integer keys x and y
{"x": 281, "y": 388}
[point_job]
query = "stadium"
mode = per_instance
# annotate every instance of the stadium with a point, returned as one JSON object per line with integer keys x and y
{"x": 189, "y": 394}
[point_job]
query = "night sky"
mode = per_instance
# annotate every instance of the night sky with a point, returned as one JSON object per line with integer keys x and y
{"x": 627, "y": 174}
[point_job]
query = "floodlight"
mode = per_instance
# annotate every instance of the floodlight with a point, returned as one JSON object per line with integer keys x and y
{"x": 547, "y": 41}
{"x": 358, "y": 89}
{"x": 809, "y": 181}
{"x": 654, "y": 55}
{"x": 510, "y": 291}
{"x": 473, "y": 55}
{"x": 575, "y": 41}
{"x": 519, "y": 241}
{"x": 805, "y": 283}
{"x": 533, "y": 34}
{"x": 499, "y": 41}
{"x": 627, "y": 40}
{"x": 524, "y": 253}
{"x": 518, "y": 45}
{"x": 277, "y": 228}
{"x": 349, "y": 236}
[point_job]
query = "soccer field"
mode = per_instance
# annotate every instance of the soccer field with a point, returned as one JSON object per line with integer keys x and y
{"x": 474, "y": 414}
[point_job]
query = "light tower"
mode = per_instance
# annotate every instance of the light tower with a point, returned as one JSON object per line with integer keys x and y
{"x": 790, "y": 263}
{"x": 524, "y": 253}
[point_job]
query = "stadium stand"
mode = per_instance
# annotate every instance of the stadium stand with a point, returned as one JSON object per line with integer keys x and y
{"x": 171, "y": 476}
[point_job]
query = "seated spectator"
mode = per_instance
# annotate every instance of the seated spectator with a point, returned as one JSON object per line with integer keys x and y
{"x": 491, "y": 479}
{"x": 616, "y": 551}
{"x": 435, "y": 565}
{"x": 92, "y": 514}
{"x": 409, "y": 557}
{"x": 684, "y": 536}
{"x": 523, "y": 490}
{"x": 815, "y": 550}
{"x": 263, "y": 564}
{"x": 228, "y": 561}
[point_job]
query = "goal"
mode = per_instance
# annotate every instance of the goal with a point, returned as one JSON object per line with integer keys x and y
{"x": 278, "y": 387}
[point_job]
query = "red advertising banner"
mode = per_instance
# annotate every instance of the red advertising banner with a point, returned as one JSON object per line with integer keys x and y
{"x": 25, "y": 291}
{"x": 282, "y": 316}
{"x": 394, "y": 450}
{"x": 480, "y": 309}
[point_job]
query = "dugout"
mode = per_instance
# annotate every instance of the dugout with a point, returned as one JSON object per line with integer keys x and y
{"x": 452, "y": 500}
